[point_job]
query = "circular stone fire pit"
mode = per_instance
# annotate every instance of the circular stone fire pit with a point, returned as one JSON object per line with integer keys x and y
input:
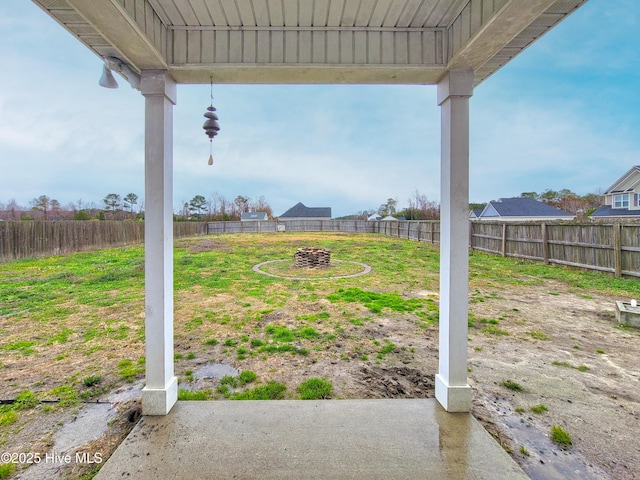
{"x": 309, "y": 257}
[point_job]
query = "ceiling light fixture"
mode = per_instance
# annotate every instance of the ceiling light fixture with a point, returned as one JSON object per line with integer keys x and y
{"x": 107, "y": 79}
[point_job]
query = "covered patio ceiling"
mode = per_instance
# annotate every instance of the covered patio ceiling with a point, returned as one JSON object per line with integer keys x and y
{"x": 310, "y": 41}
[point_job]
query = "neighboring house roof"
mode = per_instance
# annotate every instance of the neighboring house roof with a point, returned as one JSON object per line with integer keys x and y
{"x": 475, "y": 213}
{"x": 375, "y": 217}
{"x": 627, "y": 182}
{"x": 299, "y": 210}
{"x": 389, "y": 218}
{"x": 254, "y": 216}
{"x": 609, "y": 211}
{"x": 521, "y": 207}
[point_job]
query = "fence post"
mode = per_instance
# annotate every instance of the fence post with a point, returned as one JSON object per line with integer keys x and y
{"x": 545, "y": 244}
{"x": 470, "y": 234}
{"x": 617, "y": 250}
{"x": 504, "y": 239}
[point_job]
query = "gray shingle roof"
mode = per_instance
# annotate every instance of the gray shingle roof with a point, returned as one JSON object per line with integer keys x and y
{"x": 300, "y": 210}
{"x": 526, "y": 207}
{"x": 609, "y": 211}
{"x": 615, "y": 188}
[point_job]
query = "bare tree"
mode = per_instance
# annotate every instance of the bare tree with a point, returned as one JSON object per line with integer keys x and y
{"x": 213, "y": 204}
{"x": 421, "y": 208}
{"x": 242, "y": 204}
{"x": 13, "y": 209}
{"x": 56, "y": 209}
{"x": 262, "y": 205}
{"x": 224, "y": 203}
{"x": 184, "y": 213}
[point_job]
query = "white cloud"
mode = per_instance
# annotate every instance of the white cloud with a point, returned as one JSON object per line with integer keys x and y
{"x": 535, "y": 146}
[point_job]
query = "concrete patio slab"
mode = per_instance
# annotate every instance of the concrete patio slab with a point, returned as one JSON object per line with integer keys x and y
{"x": 328, "y": 439}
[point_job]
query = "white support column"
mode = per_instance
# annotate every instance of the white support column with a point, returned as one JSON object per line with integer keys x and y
{"x": 452, "y": 390}
{"x": 161, "y": 390}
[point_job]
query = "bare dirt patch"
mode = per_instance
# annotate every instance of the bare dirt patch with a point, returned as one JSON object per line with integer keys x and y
{"x": 569, "y": 354}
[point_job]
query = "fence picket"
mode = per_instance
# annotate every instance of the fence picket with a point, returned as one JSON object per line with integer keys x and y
{"x": 37, "y": 238}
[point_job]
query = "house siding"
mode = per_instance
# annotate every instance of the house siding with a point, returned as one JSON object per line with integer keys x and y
{"x": 628, "y": 184}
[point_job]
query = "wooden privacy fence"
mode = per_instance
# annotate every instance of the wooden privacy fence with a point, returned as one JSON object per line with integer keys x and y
{"x": 613, "y": 248}
{"x": 33, "y": 239}
{"x": 424, "y": 231}
{"x": 352, "y": 226}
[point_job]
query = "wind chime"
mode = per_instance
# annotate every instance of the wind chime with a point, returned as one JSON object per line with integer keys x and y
{"x": 211, "y": 126}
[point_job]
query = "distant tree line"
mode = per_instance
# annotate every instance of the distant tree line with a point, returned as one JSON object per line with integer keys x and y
{"x": 114, "y": 207}
{"x": 419, "y": 207}
{"x": 130, "y": 206}
{"x": 218, "y": 208}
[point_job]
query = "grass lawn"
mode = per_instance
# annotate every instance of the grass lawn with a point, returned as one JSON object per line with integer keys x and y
{"x": 69, "y": 318}
{"x": 72, "y": 326}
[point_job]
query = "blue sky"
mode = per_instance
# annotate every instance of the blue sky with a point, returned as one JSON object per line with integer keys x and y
{"x": 564, "y": 114}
